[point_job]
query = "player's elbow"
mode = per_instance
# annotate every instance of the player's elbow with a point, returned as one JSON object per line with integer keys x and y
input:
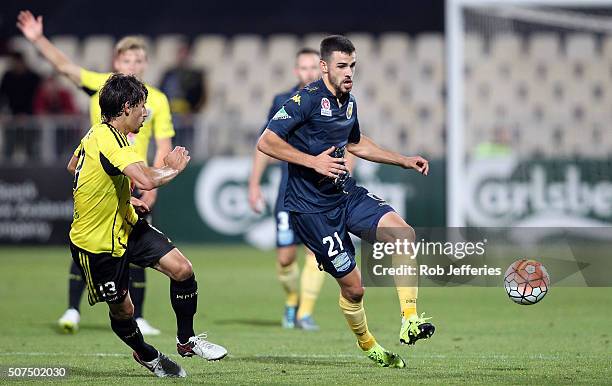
{"x": 65, "y": 69}
{"x": 141, "y": 176}
{"x": 263, "y": 144}
{"x": 356, "y": 150}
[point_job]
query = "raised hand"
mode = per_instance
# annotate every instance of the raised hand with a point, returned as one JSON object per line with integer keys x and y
{"x": 31, "y": 27}
{"x": 178, "y": 158}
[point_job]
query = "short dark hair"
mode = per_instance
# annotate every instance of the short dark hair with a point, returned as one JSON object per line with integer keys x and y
{"x": 118, "y": 90}
{"x": 335, "y": 43}
{"x": 307, "y": 50}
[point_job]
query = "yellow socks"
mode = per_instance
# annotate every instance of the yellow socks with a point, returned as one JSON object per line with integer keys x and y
{"x": 407, "y": 287}
{"x": 310, "y": 285}
{"x": 356, "y": 319}
{"x": 288, "y": 276}
{"x": 408, "y": 299}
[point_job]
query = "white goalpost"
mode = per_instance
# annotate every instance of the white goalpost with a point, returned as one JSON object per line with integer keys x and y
{"x": 529, "y": 94}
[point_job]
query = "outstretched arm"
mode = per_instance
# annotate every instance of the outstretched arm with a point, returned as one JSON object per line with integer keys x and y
{"x": 32, "y": 29}
{"x": 260, "y": 161}
{"x": 271, "y": 144}
{"x": 369, "y": 150}
{"x": 147, "y": 178}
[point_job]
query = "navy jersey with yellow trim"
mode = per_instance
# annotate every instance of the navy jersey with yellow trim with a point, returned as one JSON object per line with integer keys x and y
{"x": 312, "y": 121}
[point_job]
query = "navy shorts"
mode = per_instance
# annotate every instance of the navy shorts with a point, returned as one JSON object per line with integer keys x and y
{"x": 326, "y": 233}
{"x": 285, "y": 235}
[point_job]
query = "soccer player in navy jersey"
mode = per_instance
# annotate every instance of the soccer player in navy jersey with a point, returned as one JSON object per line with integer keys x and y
{"x": 312, "y": 131}
{"x": 300, "y": 292}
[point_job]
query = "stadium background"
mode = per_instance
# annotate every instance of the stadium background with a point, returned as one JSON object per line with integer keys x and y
{"x": 245, "y": 62}
{"x": 537, "y": 119}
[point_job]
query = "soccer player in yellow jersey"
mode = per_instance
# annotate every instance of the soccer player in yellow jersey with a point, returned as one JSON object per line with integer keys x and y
{"x": 107, "y": 234}
{"x": 130, "y": 58}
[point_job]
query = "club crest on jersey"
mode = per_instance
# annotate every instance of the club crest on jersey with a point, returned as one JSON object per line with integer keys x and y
{"x": 326, "y": 107}
{"x": 349, "y": 110}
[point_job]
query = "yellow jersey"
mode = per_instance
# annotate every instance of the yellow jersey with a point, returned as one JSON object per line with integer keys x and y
{"x": 103, "y": 216}
{"x": 158, "y": 123}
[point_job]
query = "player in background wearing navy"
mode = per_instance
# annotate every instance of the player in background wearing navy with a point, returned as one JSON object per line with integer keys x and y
{"x": 312, "y": 131}
{"x": 306, "y": 71}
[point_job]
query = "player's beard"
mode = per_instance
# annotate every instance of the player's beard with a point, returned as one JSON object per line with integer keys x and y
{"x": 339, "y": 86}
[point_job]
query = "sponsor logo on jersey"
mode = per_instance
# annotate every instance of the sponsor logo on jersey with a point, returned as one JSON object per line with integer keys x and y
{"x": 281, "y": 114}
{"x": 296, "y": 98}
{"x": 326, "y": 107}
{"x": 349, "y": 110}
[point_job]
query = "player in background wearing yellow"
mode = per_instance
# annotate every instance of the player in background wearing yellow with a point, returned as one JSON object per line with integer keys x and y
{"x": 107, "y": 234}
{"x": 130, "y": 58}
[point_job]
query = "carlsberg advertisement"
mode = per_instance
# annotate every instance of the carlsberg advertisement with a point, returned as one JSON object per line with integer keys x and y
{"x": 548, "y": 193}
{"x": 208, "y": 201}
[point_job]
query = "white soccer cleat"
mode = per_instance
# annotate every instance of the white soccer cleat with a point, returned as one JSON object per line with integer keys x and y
{"x": 145, "y": 328}
{"x": 197, "y": 345}
{"x": 69, "y": 322}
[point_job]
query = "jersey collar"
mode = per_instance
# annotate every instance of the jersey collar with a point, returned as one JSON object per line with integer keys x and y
{"x": 329, "y": 94}
{"x": 113, "y": 128}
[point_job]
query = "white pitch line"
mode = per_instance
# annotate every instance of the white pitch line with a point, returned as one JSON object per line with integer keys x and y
{"x": 302, "y": 356}
{"x": 42, "y": 354}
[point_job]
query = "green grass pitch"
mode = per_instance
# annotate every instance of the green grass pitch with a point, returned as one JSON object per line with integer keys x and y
{"x": 481, "y": 338}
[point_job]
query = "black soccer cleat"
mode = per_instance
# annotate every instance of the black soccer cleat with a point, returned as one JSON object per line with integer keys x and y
{"x": 162, "y": 366}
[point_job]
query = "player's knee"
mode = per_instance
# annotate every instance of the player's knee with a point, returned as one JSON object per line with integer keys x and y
{"x": 408, "y": 233}
{"x": 285, "y": 256}
{"x": 402, "y": 232}
{"x": 353, "y": 294}
{"x": 122, "y": 311}
{"x": 183, "y": 271}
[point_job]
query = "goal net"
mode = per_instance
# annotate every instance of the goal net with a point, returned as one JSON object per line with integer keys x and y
{"x": 529, "y": 113}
